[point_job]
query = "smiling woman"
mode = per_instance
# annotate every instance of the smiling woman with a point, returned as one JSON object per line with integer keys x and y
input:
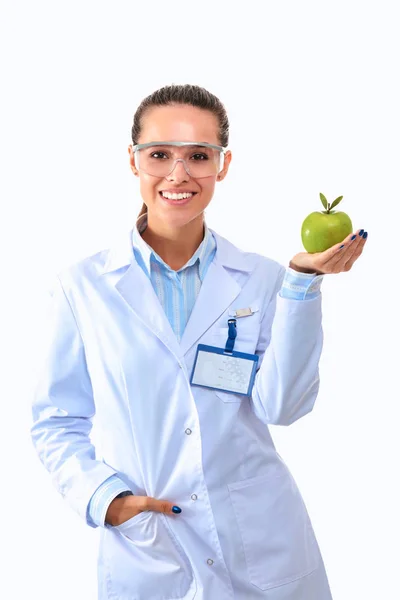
{"x": 186, "y": 349}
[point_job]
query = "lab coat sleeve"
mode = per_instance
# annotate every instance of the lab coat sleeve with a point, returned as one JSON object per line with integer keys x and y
{"x": 289, "y": 349}
{"x": 300, "y": 286}
{"x": 63, "y": 408}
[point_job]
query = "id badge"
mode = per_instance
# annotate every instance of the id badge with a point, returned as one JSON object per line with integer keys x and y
{"x": 224, "y": 368}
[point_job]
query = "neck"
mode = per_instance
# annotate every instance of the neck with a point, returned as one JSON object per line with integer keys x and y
{"x": 175, "y": 245}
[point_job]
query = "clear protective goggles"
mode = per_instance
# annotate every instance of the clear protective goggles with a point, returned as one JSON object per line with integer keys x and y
{"x": 159, "y": 159}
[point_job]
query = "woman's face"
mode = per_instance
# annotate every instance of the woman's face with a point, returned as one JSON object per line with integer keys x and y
{"x": 180, "y": 123}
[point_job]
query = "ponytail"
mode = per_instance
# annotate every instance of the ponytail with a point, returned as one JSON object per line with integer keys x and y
{"x": 143, "y": 211}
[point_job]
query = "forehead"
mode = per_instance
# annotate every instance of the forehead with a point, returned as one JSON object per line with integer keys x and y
{"x": 179, "y": 123}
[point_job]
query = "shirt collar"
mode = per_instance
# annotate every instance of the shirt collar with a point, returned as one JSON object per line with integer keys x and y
{"x": 203, "y": 253}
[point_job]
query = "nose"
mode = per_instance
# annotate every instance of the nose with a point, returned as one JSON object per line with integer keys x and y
{"x": 179, "y": 171}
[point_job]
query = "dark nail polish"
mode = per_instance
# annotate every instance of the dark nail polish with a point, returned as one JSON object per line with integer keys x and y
{"x": 354, "y": 237}
{"x": 342, "y": 246}
{"x": 365, "y": 234}
{"x": 361, "y": 232}
{"x": 176, "y": 509}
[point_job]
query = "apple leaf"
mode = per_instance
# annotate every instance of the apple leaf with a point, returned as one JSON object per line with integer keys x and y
{"x": 336, "y": 202}
{"x": 324, "y": 201}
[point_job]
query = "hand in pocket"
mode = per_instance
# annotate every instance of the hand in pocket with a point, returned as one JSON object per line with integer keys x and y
{"x": 123, "y": 509}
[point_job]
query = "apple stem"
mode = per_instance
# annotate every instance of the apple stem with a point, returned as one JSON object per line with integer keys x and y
{"x": 326, "y": 204}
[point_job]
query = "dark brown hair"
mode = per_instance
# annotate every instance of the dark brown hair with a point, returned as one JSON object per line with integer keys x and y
{"x": 182, "y": 94}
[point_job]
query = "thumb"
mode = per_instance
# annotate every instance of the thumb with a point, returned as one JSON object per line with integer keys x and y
{"x": 162, "y": 506}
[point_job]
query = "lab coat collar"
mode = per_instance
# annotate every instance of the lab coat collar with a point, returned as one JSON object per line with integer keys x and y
{"x": 121, "y": 254}
{"x": 219, "y": 289}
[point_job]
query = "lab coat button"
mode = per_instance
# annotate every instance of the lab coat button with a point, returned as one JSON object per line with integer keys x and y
{"x": 210, "y": 561}
{"x": 188, "y": 431}
{"x": 194, "y": 496}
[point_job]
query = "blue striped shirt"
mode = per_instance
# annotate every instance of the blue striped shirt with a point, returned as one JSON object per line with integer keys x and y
{"x": 177, "y": 292}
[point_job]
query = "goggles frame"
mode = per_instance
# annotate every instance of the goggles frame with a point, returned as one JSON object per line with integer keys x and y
{"x": 221, "y": 149}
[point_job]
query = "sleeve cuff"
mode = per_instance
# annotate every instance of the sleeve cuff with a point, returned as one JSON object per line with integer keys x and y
{"x": 102, "y": 498}
{"x": 300, "y": 286}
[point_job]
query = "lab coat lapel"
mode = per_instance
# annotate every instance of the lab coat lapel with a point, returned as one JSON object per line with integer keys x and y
{"x": 218, "y": 290}
{"x": 136, "y": 289}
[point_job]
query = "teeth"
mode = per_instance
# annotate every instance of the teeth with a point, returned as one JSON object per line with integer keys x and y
{"x": 176, "y": 196}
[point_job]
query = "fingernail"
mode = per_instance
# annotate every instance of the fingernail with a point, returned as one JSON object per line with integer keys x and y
{"x": 365, "y": 234}
{"x": 354, "y": 237}
{"x": 342, "y": 246}
{"x": 176, "y": 509}
{"x": 361, "y": 232}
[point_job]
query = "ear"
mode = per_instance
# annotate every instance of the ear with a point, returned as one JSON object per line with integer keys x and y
{"x": 228, "y": 158}
{"x": 132, "y": 161}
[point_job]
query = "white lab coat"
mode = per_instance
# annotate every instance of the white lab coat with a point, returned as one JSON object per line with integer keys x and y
{"x": 244, "y": 532}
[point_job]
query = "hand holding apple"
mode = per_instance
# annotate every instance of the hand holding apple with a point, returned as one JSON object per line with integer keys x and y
{"x": 336, "y": 259}
{"x": 324, "y": 237}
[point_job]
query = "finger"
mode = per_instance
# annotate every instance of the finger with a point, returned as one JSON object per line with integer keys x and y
{"x": 357, "y": 250}
{"x": 344, "y": 259}
{"x": 335, "y": 252}
{"x": 162, "y": 506}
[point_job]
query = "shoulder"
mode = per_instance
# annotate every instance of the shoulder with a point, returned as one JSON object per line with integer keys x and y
{"x": 234, "y": 256}
{"x": 88, "y": 269}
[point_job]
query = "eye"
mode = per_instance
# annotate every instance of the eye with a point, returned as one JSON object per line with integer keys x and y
{"x": 153, "y": 155}
{"x": 202, "y": 156}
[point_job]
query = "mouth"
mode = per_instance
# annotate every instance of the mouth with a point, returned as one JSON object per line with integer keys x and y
{"x": 178, "y": 201}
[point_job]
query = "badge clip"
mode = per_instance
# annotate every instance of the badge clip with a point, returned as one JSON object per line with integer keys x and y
{"x": 232, "y": 333}
{"x": 244, "y": 312}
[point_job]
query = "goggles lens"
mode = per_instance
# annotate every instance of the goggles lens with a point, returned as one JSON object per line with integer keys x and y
{"x": 199, "y": 161}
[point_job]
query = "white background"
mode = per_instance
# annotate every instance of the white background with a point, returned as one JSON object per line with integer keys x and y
{"x": 311, "y": 90}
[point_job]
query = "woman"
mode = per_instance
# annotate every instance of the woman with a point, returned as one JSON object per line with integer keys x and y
{"x": 186, "y": 485}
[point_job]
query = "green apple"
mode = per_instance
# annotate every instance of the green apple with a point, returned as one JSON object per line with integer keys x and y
{"x": 322, "y": 230}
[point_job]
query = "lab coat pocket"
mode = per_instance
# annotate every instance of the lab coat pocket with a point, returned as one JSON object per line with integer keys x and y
{"x": 126, "y": 525}
{"x": 145, "y": 560}
{"x": 278, "y": 540}
{"x": 228, "y": 397}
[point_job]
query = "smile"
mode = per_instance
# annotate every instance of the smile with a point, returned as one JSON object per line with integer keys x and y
{"x": 180, "y": 199}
